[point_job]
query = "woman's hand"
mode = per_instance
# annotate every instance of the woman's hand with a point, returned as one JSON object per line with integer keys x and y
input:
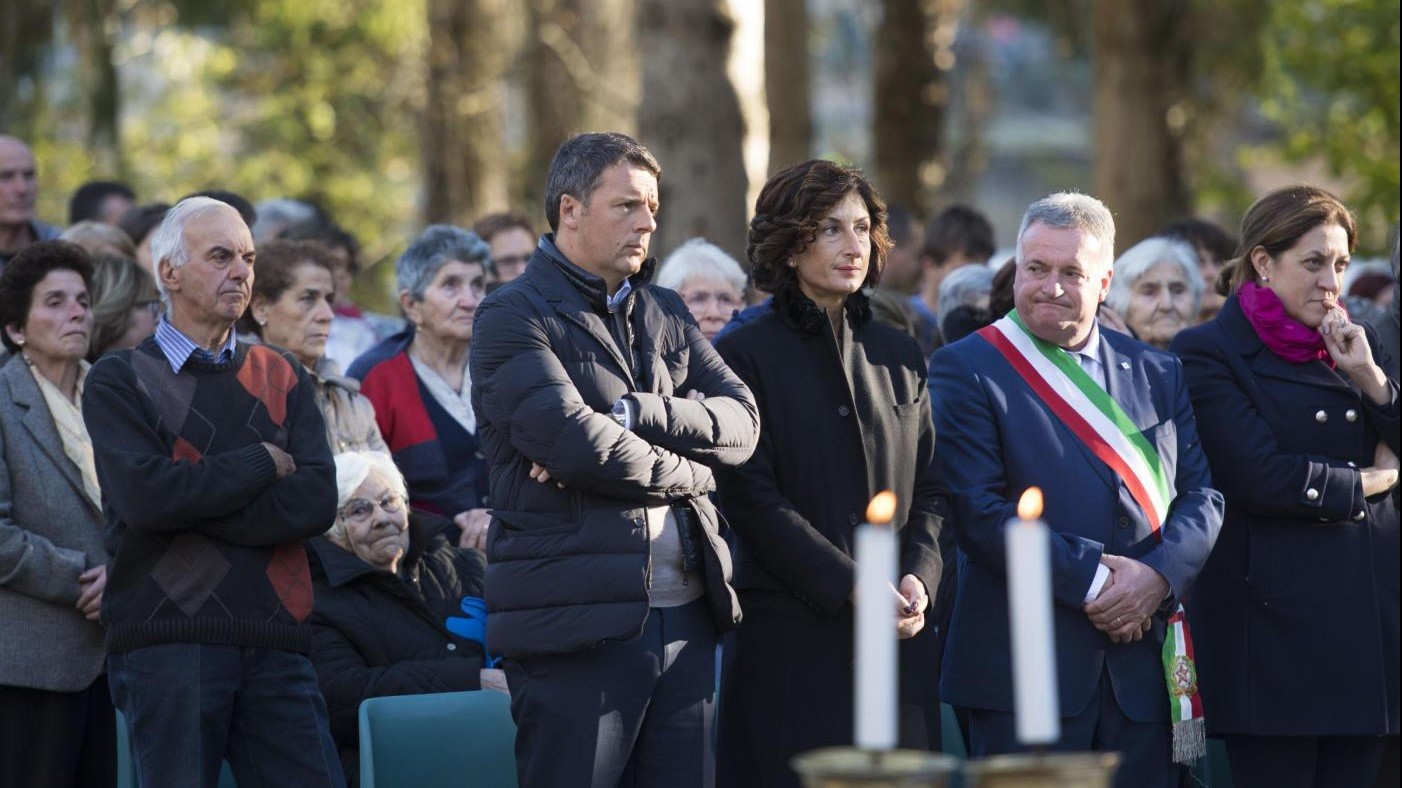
{"x": 473, "y": 523}
{"x": 1382, "y": 476}
{"x": 911, "y": 604}
{"x": 1347, "y": 344}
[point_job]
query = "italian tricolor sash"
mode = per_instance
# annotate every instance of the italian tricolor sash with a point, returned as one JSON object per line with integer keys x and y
{"x": 1099, "y": 422}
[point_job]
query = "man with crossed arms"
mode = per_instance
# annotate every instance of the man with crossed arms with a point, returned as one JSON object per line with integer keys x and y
{"x": 1031, "y": 401}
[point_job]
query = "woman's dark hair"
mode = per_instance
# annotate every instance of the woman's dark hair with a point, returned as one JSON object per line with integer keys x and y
{"x": 28, "y": 268}
{"x": 1000, "y": 298}
{"x": 1276, "y": 222}
{"x": 787, "y": 214}
{"x": 277, "y": 266}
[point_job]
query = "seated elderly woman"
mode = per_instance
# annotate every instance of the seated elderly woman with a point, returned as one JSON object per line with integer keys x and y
{"x": 389, "y": 595}
{"x": 292, "y": 308}
{"x": 125, "y": 305}
{"x": 710, "y": 282}
{"x": 1157, "y": 289}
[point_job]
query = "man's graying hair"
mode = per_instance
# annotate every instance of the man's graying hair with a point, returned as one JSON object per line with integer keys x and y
{"x": 579, "y": 166}
{"x": 438, "y": 245}
{"x": 168, "y": 241}
{"x": 1072, "y": 211}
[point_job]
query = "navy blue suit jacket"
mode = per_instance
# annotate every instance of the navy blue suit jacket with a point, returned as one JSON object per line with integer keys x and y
{"x": 996, "y": 439}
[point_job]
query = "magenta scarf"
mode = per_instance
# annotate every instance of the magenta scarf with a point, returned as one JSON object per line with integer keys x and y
{"x": 1284, "y": 335}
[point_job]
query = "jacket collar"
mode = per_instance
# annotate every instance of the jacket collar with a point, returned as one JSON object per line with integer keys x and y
{"x": 557, "y": 275}
{"x": 1266, "y": 363}
{"x": 327, "y": 372}
{"x": 25, "y": 393}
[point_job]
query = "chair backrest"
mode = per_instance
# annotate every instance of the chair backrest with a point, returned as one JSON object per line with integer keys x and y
{"x": 464, "y": 739}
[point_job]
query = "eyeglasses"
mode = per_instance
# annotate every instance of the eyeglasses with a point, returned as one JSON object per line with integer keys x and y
{"x": 511, "y": 259}
{"x": 359, "y": 510}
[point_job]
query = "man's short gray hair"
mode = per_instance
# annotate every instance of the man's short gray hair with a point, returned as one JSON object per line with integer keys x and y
{"x": 278, "y": 214}
{"x": 964, "y": 286}
{"x": 700, "y": 258}
{"x": 352, "y": 469}
{"x": 168, "y": 241}
{"x": 1138, "y": 259}
{"x": 1072, "y": 211}
{"x": 438, "y": 245}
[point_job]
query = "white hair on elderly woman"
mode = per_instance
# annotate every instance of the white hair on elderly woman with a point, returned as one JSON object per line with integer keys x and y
{"x": 1138, "y": 259}
{"x": 352, "y": 469}
{"x": 700, "y": 258}
{"x": 967, "y": 285}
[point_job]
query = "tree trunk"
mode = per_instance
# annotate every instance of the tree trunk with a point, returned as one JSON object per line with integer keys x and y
{"x": 914, "y": 51}
{"x": 1142, "y": 62}
{"x": 690, "y": 120}
{"x": 26, "y": 28}
{"x": 92, "y": 24}
{"x": 786, "y": 71}
{"x": 462, "y": 128}
{"x": 582, "y": 75}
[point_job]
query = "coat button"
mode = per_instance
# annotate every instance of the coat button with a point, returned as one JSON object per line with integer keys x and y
{"x": 1312, "y": 494}
{"x": 843, "y": 410}
{"x": 452, "y": 647}
{"x": 1351, "y": 414}
{"x": 1361, "y": 514}
{"x": 1321, "y": 417}
{"x": 1123, "y": 522}
{"x": 853, "y": 519}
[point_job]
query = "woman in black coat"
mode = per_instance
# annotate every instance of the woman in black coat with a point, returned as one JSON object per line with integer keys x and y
{"x": 1295, "y": 615}
{"x": 843, "y": 416}
{"x": 389, "y": 602}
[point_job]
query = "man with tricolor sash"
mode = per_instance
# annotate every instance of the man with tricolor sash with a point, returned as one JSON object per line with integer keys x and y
{"x": 1102, "y": 424}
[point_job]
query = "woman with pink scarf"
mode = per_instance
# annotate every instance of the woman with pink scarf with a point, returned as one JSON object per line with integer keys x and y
{"x": 1295, "y": 615}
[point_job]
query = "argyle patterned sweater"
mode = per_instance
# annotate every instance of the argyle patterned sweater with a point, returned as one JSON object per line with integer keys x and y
{"x": 205, "y": 540}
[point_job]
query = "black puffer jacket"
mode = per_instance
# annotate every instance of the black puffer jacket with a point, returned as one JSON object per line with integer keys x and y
{"x": 376, "y": 634}
{"x": 569, "y": 565}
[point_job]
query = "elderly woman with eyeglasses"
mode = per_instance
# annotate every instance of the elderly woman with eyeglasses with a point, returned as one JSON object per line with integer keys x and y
{"x": 709, "y": 281}
{"x": 418, "y": 379}
{"x": 388, "y": 617}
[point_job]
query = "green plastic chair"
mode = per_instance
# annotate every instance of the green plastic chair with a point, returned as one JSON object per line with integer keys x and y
{"x": 464, "y": 739}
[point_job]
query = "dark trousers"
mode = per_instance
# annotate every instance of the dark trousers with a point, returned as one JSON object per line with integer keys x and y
{"x": 1304, "y": 761}
{"x": 190, "y": 706}
{"x": 634, "y": 714}
{"x": 1145, "y": 748}
{"x": 58, "y": 739}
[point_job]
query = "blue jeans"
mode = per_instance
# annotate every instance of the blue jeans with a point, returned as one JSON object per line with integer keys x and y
{"x": 189, "y": 706}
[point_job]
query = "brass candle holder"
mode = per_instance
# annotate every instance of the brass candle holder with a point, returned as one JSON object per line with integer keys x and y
{"x": 851, "y": 767}
{"x": 1043, "y": 770}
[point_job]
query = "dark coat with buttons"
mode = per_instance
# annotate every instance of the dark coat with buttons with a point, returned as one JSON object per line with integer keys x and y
{"x": 1295, "y": 617}
{"x": 842, "y": 420}
{"x": 571, "y": 562}
{"x": 998, "y": 438}
{"x": 376, "y": 634}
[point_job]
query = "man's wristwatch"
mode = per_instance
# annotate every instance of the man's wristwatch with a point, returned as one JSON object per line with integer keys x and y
{"x": 622, "y": 413}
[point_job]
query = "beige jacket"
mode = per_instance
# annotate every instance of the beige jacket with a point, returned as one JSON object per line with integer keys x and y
{"x": 350, "y": 417}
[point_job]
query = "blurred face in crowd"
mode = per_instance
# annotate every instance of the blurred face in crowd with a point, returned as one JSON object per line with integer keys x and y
{"x": 376, "y": 520}
{"x": 300, "y": 319}
{"x": 450, "y": 302}
{"x": 141, "y": 323}
{"x": 1062, "y": 276}
{"x": 609, "y": 236}
{"x": 1308, "y": 277}
{"x": 834, "y": 265}
{"x": 113, "y": 207}
{"x": 511, "y": 250}
{"x": 18, "y": 184}
{"x": 214, "y": 285}
{"x": 712, "y": 301}
{"x": 1160, "y": 304}
{"x": 903, "y": 265}
{"x": 59, "y": 321}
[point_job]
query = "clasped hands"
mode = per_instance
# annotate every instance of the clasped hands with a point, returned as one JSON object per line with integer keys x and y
{"x": 1124, "y": 610}
{"x": 910, "y": 603}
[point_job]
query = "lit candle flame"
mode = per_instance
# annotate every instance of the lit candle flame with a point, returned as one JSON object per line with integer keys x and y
{"x": 1029, "y": 506}
{"x": 882, "y": 508}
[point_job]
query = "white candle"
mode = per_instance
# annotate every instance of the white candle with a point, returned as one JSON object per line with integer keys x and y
{"x": 876, "y": 665}
{"x": 1030, "y": 615}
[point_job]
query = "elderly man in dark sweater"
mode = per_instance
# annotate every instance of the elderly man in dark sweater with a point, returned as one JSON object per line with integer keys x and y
{"x": 213, "y": 458}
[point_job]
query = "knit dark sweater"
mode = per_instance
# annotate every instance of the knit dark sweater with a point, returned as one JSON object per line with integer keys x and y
{"x": 206, "y": 541}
